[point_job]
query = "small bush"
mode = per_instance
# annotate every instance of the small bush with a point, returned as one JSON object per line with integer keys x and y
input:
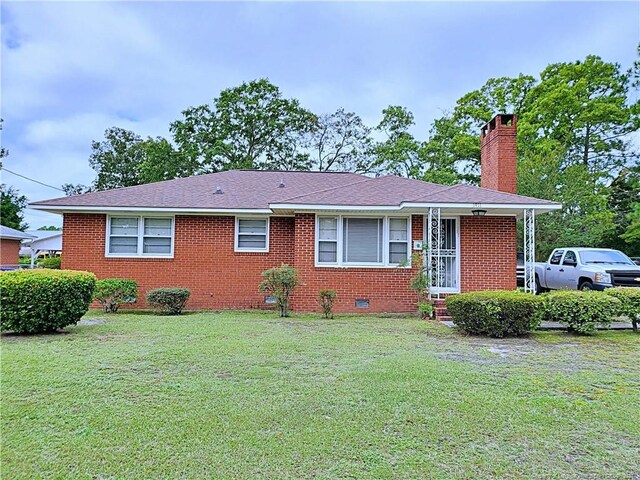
{"x": 38, "y": 301}
{"x": 580, "y": 311}
{"x": 326, "y": 300}
{"x": 629, "y": 303}
{"x": 51, "y": 262}
{"x": 279, "y": 283}
{"x": 495, "y": 313}
{"x": 112, "y": 292}
{"x": 170, "y": 301}
{"x": 425, "y": 309}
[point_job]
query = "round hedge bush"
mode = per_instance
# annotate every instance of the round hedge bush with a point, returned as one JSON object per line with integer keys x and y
{"x": 169, "y": 301}
{"x": 38, "y": 301}
{"x": 495, "y": 313}
{"x": 629, "y": 302}
{"x": 580, "y": 310}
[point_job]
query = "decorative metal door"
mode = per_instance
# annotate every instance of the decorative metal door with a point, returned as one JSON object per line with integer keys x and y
{"x": 443, "y": 256}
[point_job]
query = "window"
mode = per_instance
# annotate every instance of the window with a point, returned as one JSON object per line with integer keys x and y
{"x": 570, "y": 258}
{"x": 398, "y": 240}
{"x": 157, "y": 236}
{"x": 555, "y": 258}
{"x": 252, "y": 234}
{"x": 362, "y": 240}
{"x": 328, "y": 239}
{"x": 140, "y": 236}
{"x": 344, "y": 241}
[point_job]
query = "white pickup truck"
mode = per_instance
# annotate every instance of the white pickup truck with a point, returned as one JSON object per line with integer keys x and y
{"x": 586, "y": 269}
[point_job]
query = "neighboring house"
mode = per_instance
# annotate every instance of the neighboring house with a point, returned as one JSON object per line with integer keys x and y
{"x": 10, "y": 239}
{"x": 216, "y": 233}
{"x": 43, "y": 243}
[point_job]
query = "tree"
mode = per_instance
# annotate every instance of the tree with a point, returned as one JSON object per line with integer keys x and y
{"x": 584, "y": 107}
{"x": 251, "y": 126}
{"x": 398, "y": 154}
{"x": 340, "y": 142}
{"x": 125, "y": 159}
{"x": 50, "y": 228}
{"x": 624, "y": 203}
{"x": 12, "y": 205}
{"x": 77, "y": 189}
{"x": 452, "y": 152}
{"x": 117, "y": 159}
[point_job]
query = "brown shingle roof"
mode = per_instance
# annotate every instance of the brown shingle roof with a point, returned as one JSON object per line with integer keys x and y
{"x": 247, "y": 189}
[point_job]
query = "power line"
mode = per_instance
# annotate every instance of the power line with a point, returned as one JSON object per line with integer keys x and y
{"x": 32, "y": 180}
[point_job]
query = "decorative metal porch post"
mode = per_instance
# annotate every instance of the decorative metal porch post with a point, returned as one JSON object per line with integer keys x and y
{"x": 529, "y": 250}
{"x": 434, "y": 245}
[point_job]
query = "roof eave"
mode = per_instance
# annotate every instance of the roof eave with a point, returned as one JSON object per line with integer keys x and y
{"x": 60, "y": 209}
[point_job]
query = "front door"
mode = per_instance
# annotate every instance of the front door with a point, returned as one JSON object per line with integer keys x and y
{"x": 446, "y": 279}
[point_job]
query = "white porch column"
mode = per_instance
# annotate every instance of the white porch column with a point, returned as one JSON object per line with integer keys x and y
{"x": 529, "y": 250}
{"x": 434, "y": 244}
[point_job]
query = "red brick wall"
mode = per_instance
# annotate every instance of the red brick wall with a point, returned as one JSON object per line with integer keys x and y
{"x": 386, "y": 288}
{"x": 487, "y": 253}
{"x": 9, "y": 251}
{"x": 498, "y": 155}
{"x": 218, "y": 277}
{"x": 204, "y": 260}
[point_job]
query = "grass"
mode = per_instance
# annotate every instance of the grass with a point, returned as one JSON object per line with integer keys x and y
{"x": 249, "y": 395}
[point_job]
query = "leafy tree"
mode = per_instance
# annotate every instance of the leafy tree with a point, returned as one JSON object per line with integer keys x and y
{"x": 398, "y": 154}
{"x": 340, "y": 142}
{"x": 50, "y": 228}
{"x": 12, "y": 205}
{"x": 251, "y": 126}
{"x": 163, "y": 162}
{"x": 77, "y": 189}
{"x": 452, "y": 152}
{"x": 624, "y": 203}
{"x": 117, "y": 159}
{"x": 124, "y": 159}
{"x": 585, "y": 108}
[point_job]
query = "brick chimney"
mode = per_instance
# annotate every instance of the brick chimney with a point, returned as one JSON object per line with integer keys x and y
{"x": 498, "y": 154}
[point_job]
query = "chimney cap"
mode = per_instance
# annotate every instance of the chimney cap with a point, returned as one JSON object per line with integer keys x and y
{"x": 501, "y": 120}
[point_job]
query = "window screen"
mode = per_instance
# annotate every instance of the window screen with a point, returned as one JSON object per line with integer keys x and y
{"x": 123, "y": 235}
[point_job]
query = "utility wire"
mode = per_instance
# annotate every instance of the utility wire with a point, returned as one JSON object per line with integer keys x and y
{"x": 31, "y": 179}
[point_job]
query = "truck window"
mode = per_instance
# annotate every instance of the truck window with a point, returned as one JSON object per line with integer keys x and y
{"x": 571, "y": 256}
{"x": 555, "y": 258}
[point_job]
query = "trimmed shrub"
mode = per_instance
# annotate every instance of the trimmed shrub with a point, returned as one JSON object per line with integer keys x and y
{"x": 326, "y": 298}
{"x": 629, "y": 303}
{"x": 38, "y": 301}
{"x": 495, "y": 313}
{"x": 53, "y": 263}
{"x": 279, "y": 283}
{"x": 169, "y": 301}
{"x": 112, "y": 292}
{"x": 579, "y": 310}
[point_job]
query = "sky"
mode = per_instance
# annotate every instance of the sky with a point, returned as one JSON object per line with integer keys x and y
{"x": 71, "y": 70}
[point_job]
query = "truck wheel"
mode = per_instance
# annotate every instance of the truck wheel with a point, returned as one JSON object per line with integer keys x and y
{"x": 539, "y": 288}
{"x": 586, "y": 285}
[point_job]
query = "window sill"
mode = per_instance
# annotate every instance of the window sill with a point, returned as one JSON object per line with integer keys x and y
{"x": 111, "y": 255}
{"x": 365, "y": 265}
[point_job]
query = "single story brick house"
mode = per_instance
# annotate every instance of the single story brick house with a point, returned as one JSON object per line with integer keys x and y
{"x": 216, "y": 233}
{"x": 10, "y": 240}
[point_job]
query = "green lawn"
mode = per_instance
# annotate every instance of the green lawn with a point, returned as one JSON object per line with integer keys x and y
{"x": 249, "y": 395}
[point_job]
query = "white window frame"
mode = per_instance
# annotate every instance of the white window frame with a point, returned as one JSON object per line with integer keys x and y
{"x": 236, "y": 234}
{"x": 385, "y": 242}
{"x": 141, "y": 235}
